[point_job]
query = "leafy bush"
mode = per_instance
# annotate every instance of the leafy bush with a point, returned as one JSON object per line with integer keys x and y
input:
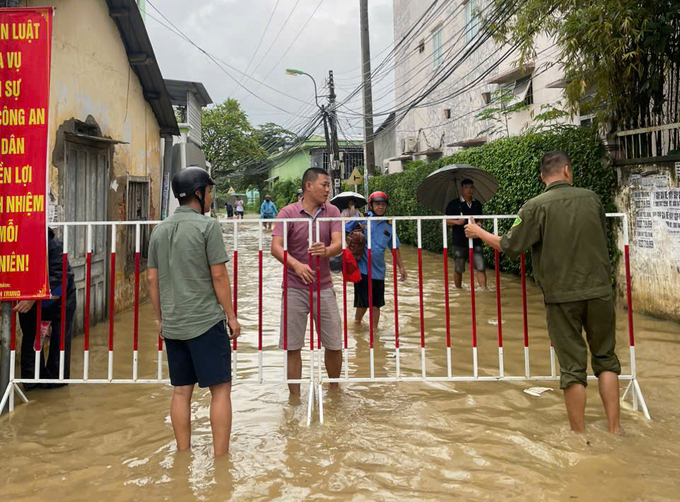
{"x": 285, "y": 192}
{"x": 515, "y": 162}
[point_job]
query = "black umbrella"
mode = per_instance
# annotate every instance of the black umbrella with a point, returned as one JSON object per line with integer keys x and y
{"x": 341, "y": 200}
{"x": 443, "y": 186}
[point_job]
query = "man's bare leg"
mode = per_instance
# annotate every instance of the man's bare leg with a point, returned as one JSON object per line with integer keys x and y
{"x": 180, "y": 415}
{"x": 333, "y": 360}
{"x": 458, "y": 280}
{"x": 220, "y": 417}
{"x": 376, "y": 316}
{"x": 359, "y": 315}
{"x": 575, "y": 399}
{"x": 294, "y": 370}
{"x": 608, "y": 384}
{"x": 481, "y": 279}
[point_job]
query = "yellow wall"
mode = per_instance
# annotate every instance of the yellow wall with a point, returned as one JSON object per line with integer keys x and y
{"x": 90, "y": 74}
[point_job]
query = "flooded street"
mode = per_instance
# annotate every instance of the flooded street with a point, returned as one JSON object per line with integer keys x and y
{"x": 380, "y": 441}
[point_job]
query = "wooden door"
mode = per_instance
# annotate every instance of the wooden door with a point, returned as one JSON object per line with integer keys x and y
{"x": 85, "y": 199}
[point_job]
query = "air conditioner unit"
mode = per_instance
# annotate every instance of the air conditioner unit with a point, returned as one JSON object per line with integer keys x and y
{"x": 408, "y": 144}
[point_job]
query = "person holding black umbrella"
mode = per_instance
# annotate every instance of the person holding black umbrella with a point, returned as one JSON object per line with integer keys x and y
{"x": 460, "y": 189}
{"x": 465, "y": 205}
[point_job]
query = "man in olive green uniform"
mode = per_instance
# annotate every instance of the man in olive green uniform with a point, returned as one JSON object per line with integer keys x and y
{"x": 565, "y": 228}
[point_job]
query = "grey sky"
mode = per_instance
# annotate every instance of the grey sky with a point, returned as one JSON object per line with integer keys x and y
{"x": 231, "y": 29}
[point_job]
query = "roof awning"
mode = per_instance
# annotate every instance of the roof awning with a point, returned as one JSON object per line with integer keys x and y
{"x": 273, "y": 178}
{"x": 560, "y": 83}
{"x": 513, "y": 74}
{"x": 178, "y": 92}
{"x": 406, "y": 156}
{"x": 99, "y": 139}
{"x": 470, "y": 142}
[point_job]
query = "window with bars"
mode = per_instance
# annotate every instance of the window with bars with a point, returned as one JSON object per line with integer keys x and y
{"x": 137, "y": 210}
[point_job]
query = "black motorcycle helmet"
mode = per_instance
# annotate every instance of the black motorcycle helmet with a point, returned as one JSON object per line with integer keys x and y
{"x": 187, "y": 181}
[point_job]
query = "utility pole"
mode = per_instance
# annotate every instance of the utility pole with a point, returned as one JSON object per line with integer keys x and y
{"x": 333, "y": 119}
{"x": 324, "y": 113}
{"x": 369, "y": 150}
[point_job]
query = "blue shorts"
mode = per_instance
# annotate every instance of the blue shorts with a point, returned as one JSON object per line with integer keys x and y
{"x": 205, "y": 360}
{"x": 268, "y": 217}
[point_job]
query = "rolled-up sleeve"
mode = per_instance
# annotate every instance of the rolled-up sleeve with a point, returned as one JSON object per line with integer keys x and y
{"x": 525, "y": 232}
{"x": 152, "y": 260}
{"x": 214, "y": 246}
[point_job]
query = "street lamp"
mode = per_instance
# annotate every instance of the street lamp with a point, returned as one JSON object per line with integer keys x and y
{"x": 294, "y": 73}
{"x": 329, "y": 150}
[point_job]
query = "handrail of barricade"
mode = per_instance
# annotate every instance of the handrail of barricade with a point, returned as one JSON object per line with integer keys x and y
{"x": 316, "y": 378}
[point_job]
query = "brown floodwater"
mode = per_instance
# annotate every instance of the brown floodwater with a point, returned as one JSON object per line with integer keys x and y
{"x": 379, "y": 441}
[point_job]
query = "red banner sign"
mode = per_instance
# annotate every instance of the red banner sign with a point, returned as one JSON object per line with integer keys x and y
{"x": 25, "y": 54}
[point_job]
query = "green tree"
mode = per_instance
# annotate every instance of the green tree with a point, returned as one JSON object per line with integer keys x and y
{"x": 230, "y": 144}
{"x": 272, "y": 136}
{"x": 619, "y": 53}
{"x": 504, "y": 106}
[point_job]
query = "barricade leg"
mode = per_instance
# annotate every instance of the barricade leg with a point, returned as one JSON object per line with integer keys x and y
{"x": 344, "y": 307}
{"x": 8, "y": 392}
{"x": 88, "y": 297}
{"x": 497, "y": 263}
{"x": 112, "y": 297}
{"x": 396, "y": 298}
{"x": 310, "y": 401}
{"x": 235, "y": 301}
{"x": 37, "y": 342}
{"x": 475, "y": 363}
{"x": 421, "y": 304}
{"x": 447, "y": 311}
{"x": 62, "y": 321}
{"x": 641, "y": 398}
{"x": 135, "y": 341}
{"x": 260, "y": 272}
{"x": 525, "y": 316}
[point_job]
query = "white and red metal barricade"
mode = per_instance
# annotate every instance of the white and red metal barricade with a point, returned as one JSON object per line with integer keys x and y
{"x": 315, "y": 377}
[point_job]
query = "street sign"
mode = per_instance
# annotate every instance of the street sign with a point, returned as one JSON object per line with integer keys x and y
{"x": 337, "y": 182}
{"x": 355, "y": 178}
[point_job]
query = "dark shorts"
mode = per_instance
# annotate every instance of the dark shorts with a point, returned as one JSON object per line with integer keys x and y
{"x": 361, "y": 293}
{"x": 205, "y": 360}
{"x": 565, "y": 323}
{"x": 462, "y": 255}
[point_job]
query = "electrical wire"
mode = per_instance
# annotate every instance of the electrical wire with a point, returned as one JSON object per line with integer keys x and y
{"x": 269, "y": 22}
{"x": 219, "y": 63}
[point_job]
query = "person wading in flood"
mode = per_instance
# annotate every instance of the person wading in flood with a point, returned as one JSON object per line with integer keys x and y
{"x": 268, "y": 211}
{"x": 316, "y": 187}
{"x": 381, "y": 240}
{"x": 566, "y": 229}
{"x": 190, "y": 292}
{"x": 465, "y": 206}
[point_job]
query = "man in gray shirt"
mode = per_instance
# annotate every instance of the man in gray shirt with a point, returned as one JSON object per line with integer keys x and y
{"x": 190, "y": 292}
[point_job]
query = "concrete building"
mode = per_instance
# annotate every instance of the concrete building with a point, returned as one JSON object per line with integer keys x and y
{"x": 188, "y": 99}
{"x": 109, "y": 108}
{"x": 294, "y": 162}
{"x": 446, "y": 120}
